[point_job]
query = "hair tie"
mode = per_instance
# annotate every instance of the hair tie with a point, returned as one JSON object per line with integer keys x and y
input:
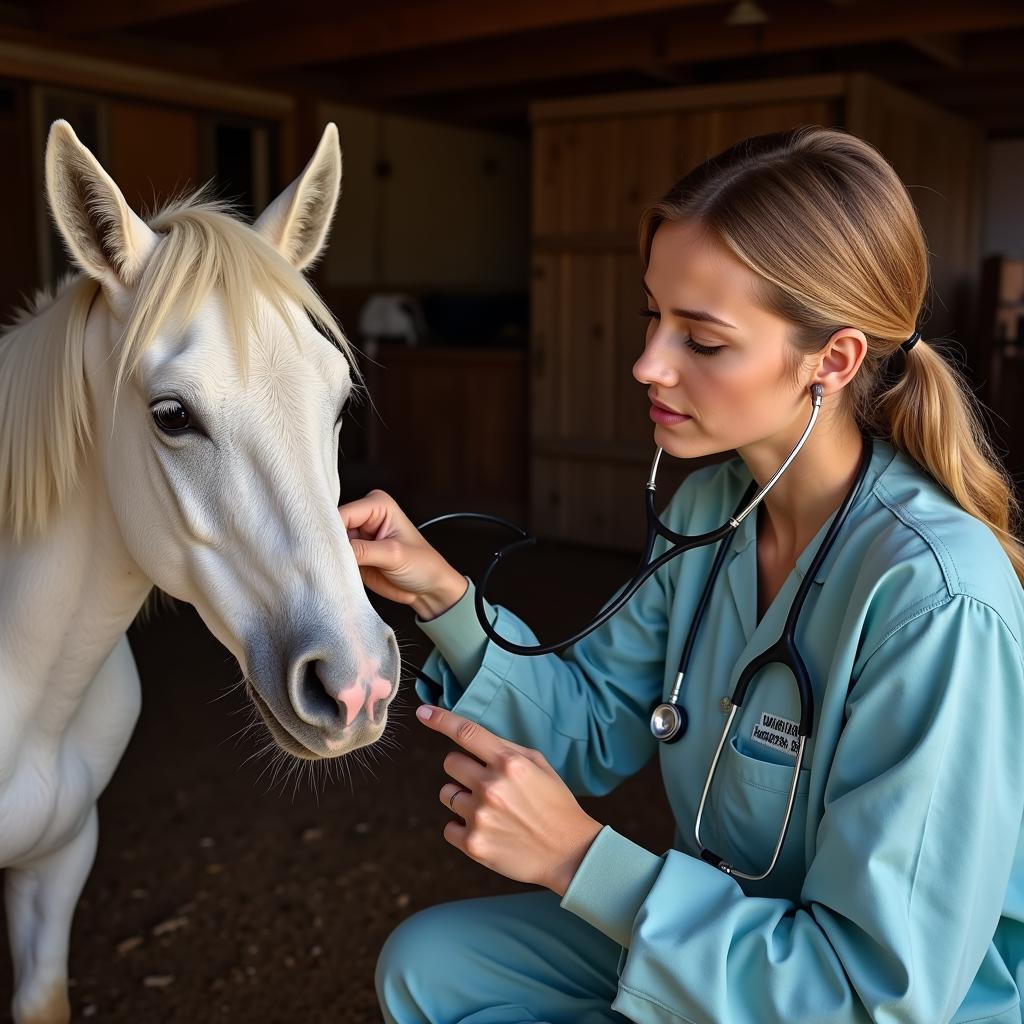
{"x": 912, "y": 340}
{"x": 895, "y": 364}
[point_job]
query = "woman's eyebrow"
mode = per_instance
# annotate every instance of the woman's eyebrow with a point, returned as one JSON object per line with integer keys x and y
{"x": 694, "y": 314}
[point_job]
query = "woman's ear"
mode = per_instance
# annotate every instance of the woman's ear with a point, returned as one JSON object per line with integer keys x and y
{"x": 842, "y": 357}
{"x": 296, "y": 223}
{"x": 103, "y": 235}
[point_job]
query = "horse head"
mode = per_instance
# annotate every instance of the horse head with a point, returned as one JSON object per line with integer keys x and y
{"x": 215, "y": 380}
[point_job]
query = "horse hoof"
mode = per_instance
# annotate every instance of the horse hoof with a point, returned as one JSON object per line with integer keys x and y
{"x": 51, "y": 1008}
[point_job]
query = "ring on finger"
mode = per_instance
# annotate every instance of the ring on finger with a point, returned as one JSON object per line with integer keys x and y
{"x": 451, "y": 799}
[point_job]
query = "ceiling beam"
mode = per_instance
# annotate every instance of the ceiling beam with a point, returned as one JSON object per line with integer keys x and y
{"x": 685, "y": 40}
{"x": 73, "y": 17}
{"x": 413, "y": 24}
{"x": 36, "y": 57}
{"x": 552, "y": 56}
{"x": 944, "y": 50}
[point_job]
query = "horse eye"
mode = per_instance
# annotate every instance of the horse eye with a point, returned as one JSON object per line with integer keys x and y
{"x": 171, "y": 416}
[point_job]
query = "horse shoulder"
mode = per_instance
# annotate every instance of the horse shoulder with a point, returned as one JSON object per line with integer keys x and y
{"x": 52, "y": 789}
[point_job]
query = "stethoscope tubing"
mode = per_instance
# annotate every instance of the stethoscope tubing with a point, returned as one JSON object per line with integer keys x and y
{"x": 647, "y": 566}
{"x": 784, "y": 651}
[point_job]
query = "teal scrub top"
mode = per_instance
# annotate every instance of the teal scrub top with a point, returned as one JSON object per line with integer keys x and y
{"x": 899, "y": 894}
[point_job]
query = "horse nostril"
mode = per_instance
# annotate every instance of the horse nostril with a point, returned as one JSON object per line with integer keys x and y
{"x": 334, "y": 696}
{"x": 316, "y": 702}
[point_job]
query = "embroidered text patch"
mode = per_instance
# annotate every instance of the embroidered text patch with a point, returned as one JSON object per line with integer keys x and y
{"x": 778, "y": 733}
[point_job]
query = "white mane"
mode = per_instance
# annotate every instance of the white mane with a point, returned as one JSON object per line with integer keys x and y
{"x": 44, "y": 406}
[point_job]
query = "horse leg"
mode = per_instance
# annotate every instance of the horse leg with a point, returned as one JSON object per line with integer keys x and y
{"x": 40, "y": 898}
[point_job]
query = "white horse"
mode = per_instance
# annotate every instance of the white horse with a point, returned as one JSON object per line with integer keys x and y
{"x": 170, "y": 416}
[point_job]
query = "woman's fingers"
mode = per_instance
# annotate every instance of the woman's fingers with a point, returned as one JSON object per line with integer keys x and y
{"x": 456, "y": 798}
{"x": 376, "y": 513}
{"x": 469, "y": 735}
{"x": 395, "y": 560}
{"x": 380, "y": 554}
{"x": 464, "y": 769}
{"x": 356, "y": 514}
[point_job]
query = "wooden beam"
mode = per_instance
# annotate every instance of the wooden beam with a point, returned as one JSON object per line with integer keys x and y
{"x": 34, "y": 57}
{"x": 944, "y": 50}
{"x": 73, "y": 17}
{"x": 551, "y": 56}
{"x": 687, "y": 39}
{"x": 413, "y": 24}
{"x": 649, "y": 101}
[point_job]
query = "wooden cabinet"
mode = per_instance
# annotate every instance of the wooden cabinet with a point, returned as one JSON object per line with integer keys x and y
{"x": 597, "y": 163}
{"x": 449, "y": 425}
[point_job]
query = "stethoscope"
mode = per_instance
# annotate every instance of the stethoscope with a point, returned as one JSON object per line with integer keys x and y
{"x": 669, "y": 719}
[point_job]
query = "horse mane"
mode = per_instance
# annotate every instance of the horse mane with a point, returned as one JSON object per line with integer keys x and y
{"x": 44, "y": 404}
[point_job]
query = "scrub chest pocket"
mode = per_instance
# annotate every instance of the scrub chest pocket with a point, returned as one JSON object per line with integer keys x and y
{"x": 748, "y": 802}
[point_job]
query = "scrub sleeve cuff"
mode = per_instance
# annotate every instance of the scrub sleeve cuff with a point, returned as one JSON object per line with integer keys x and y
{"x": 458, "y": 635}
{"x": 612, "y": 882}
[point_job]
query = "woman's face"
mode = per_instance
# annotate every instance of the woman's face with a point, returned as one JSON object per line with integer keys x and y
{"x": 728, "y": 379}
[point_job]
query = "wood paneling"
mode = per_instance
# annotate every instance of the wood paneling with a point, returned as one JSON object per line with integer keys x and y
{"x": 939, "y": 156}
{"x": 450, "y": 424}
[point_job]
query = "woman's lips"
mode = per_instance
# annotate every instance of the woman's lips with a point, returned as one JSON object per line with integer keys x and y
{"x": 666, "y": 417}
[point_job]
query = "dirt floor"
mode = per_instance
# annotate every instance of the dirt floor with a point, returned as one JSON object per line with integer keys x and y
{"x": 223, "y": 894}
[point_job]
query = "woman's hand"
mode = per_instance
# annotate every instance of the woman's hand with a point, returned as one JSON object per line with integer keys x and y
{"x": 520, "y": 818}
{"x": 394, "y": 559}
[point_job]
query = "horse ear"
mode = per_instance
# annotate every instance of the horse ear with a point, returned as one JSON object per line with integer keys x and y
{"x": 104, "y": 237}
{"x": 296, "y": 223}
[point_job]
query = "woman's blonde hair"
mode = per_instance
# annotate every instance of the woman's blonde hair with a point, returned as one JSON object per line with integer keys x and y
{"x": 832, "y": 234}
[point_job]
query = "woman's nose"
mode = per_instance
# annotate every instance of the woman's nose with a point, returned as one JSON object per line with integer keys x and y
{"x": 654, "y": 368}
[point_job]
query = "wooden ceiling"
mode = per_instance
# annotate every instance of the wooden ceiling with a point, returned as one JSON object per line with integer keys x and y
{"x": 483, "y": 61}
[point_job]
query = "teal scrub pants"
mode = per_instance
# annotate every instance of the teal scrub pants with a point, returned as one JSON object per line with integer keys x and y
{"x": 498, "y": 960}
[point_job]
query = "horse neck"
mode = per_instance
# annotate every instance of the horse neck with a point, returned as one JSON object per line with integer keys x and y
{"x": 66, "y": 597}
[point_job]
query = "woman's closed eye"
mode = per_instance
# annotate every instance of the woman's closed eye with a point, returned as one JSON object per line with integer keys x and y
{"x": 695, "y": 346}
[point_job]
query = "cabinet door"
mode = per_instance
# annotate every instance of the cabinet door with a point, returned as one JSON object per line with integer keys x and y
{"x": 731, "y": 124}
{"x": 586, "y": 335}
{"x": 647, "y": 166}
{"x": 547, "y": 315}
{"x": 583, "y": 501}
{"x": 576, "y": 176}
{"x": 573, "y": 346}
{"x": 631, "y": 423}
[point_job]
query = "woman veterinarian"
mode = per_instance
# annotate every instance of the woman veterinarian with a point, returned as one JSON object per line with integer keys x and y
{"x": 789, "y": 261}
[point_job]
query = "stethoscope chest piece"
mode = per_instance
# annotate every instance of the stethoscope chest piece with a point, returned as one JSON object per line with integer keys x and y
{"x": 668, "y": 722}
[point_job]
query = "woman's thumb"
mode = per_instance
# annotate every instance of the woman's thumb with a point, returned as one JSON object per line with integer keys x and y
{"x": 380, "y": 554}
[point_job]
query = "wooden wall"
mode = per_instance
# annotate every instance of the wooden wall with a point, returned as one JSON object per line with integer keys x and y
{"x": 449, "y": 429}
{"x": 427, "y": 205}
{"x": 598, "y": 161}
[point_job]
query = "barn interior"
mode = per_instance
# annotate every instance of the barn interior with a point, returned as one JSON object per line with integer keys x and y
{"x": 484, "y": 262}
